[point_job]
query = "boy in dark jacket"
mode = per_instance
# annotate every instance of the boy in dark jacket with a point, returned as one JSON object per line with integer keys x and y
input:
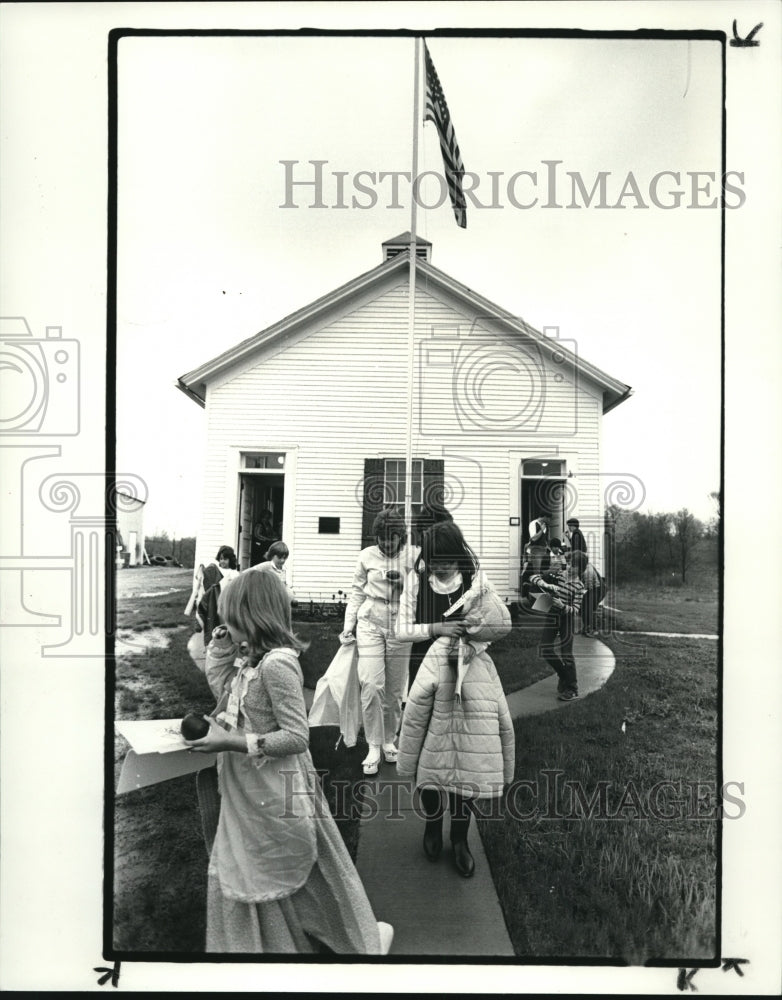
{"x": 567, "y": 591}
{"x": 575, "y": 536}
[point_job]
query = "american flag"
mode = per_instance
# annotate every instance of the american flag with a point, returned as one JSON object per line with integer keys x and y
{"x": 437, "y": 111}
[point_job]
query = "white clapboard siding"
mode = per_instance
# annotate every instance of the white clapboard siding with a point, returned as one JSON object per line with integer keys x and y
{"x": 339, "y": 396}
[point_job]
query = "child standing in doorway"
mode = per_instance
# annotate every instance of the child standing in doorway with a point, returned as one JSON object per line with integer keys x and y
{"x": 280, "y": 879}
{"x": 538, "y": 542}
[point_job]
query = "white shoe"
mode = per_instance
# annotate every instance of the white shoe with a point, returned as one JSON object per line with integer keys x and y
{"x": 386, "y": 932}
{"x": 371, "y": 762}
{"x": 390, "y": 753}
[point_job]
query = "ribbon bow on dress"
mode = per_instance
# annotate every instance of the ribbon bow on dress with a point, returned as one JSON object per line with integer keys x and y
{"x": 246, "y": 673}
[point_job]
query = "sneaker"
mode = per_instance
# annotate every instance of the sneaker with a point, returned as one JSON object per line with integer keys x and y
{"x": 386, "y": 932}
{"x": 567, "y": 696}
{"x": 371, "y": 762}
{"x": 390, "y": 753}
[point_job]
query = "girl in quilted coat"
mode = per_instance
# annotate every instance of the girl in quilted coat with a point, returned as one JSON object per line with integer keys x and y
{"x": 457, "y": 735}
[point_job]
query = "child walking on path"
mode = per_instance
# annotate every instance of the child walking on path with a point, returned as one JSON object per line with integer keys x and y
{"x": 567, "y": 591}
{"x": 457, "y": 735}
{"x": 370, "y": 619}
{"x": 280, "y": 879}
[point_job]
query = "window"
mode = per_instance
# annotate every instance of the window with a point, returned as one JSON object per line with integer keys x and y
{"x": 541, "y": 468}
{"x": 264, "y": 460}
{"x": 394, "y": 481}
{"x": 384, "y": 486}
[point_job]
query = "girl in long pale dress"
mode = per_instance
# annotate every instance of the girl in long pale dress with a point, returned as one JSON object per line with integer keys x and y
{"x": 280, "y": 877}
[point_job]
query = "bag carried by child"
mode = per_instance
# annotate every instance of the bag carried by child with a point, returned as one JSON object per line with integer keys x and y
{"x": 337, "y": 700}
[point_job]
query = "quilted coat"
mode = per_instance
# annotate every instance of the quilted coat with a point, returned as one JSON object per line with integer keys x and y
{"x": 463, "y": 745}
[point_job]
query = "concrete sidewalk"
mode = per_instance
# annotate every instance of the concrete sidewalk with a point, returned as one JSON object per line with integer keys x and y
{"x": 594, "y": 664}
{"x": 433, "y": 909}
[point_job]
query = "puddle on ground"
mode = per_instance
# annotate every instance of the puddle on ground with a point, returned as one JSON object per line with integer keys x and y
{"x": 151, "y": 593}
{"x": 129, "y": 642}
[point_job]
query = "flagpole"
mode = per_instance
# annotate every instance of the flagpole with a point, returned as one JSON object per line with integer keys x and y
{"x": 411, "y": 302}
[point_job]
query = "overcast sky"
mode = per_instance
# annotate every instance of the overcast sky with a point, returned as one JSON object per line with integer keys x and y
{"x": 208, "y": 257}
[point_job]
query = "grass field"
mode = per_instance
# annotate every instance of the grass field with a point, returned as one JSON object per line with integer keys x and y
{"x": 635, "y": 879}
{"x": 624, "y": 883}
{"x": 645, "y": 610}
{"x": 671, "y": 607}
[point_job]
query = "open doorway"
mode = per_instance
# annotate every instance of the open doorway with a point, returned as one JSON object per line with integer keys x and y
{"x": 260, "y": 515}
{"x": 543, "y": 492}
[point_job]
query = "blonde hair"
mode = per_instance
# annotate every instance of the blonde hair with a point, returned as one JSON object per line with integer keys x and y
{"x": 258, "y": 605}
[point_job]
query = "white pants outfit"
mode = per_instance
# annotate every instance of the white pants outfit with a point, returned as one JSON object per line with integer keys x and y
{"x": 382, "y": 670}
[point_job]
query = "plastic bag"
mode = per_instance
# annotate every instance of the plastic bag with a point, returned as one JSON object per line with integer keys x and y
{"x": 337, "y": 700}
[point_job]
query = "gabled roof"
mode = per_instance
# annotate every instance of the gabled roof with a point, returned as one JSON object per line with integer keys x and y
{"x": 194, "y": 383}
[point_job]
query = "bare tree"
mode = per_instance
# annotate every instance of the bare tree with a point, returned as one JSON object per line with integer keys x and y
{"x": 651, "y": 535}
{"x": 712, "y": 529}
{"x": 687, "y": 532}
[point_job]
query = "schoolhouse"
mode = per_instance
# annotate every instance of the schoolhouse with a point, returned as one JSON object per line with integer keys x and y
{"x": 307, "y": 426}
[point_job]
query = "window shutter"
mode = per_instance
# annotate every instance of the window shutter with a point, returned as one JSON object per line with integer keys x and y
{"x": 434, "y": 497}
{"x": 434, "y": 482}
{"x": 374, "y": 477}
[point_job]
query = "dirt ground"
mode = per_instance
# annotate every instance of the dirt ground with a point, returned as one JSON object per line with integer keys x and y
{"x": 143, "y": 581}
